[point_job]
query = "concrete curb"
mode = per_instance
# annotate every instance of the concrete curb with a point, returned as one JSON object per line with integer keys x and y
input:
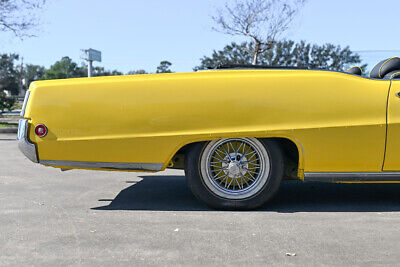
{"x": 9, "y": 130}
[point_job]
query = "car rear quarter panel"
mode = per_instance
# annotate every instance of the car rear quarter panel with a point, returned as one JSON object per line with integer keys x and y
{"x": 337, "y": 121}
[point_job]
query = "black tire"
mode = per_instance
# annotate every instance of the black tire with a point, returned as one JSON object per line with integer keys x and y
{"x": 203, "y": 193}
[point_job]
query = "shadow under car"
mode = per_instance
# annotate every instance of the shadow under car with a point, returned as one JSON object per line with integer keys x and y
{"x": 170, "y": 193}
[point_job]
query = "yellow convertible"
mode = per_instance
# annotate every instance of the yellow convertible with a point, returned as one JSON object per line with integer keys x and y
{"x": 237, "y": 131}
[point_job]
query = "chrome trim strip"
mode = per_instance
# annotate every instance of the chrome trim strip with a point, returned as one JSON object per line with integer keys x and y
{"x": 351, "y": 176}
{"x": 26, "y": 147}
{"x": 105, "y": 165}
{"x": 25, "y": 103}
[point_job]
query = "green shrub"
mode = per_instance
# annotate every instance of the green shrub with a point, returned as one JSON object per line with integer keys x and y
{"x": 6, "y": 103}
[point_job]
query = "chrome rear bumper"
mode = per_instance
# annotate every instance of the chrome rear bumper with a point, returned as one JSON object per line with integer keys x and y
{"x": 26, "y": 147}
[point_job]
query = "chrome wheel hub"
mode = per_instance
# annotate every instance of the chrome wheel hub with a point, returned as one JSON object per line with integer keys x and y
{"x": 235, "y": 165}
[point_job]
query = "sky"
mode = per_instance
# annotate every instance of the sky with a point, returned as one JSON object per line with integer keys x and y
{"x": 138, "y": 34}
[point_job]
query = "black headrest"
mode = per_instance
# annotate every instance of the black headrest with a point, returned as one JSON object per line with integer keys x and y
{"x": 355, "y": 70}
{"x": 384, "y": 67}
{"x": 392, "y": 75}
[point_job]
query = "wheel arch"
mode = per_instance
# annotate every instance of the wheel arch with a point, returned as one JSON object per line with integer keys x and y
{"x": 292, "y": 148}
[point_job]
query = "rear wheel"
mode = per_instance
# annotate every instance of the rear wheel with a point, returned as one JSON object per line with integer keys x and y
{"x": 238, "y": 173}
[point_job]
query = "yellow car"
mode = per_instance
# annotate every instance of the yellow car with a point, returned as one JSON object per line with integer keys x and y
{"x": 237, "y": 132}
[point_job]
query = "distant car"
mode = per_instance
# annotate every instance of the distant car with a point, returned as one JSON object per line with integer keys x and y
{"x": 237, "y": 131}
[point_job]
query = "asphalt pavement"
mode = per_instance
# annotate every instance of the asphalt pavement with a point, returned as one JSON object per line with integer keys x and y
{"x": 89, "y": 218}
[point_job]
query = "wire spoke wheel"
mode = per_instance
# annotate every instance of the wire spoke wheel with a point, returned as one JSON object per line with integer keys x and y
{"x": 235, "y": 168}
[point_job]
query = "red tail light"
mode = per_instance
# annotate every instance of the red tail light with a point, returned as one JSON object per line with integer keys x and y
{"x": 41, "y": 130}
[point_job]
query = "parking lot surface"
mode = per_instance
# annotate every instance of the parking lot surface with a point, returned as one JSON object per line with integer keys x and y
{"x": 87, "y": 218}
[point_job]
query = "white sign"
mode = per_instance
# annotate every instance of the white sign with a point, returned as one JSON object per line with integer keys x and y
{"x": 93, "y": 55}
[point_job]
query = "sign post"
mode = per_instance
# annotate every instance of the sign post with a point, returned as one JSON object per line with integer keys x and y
{"x": 92, "y": 55}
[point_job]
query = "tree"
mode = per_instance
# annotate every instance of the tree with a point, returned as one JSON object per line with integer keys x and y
{"x": 136, "y": 72}
{"x": 6, "y": 102}
{"x": 263, "y": 21}
{"x": 100, "y": 71}
{"x": 286, "y": 53}
{"x": 19, "y": 16}
{"x": 9, "y": 73}
{"x": 65, "y": 68}
{"x": 164, "y": 67}
{"x": 231, "y": 54}
{"x": 33, "y": 73}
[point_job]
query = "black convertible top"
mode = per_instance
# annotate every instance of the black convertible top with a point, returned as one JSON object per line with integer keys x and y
{"x": 248, "y": 66}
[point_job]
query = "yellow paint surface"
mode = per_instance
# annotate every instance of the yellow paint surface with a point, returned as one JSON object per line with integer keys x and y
{"x": 337, "y": 120}
{"x": 392, "y": 158}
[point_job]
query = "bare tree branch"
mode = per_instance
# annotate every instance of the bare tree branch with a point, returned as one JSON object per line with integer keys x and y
{"x": 263, "y": 21}
{"x": 19, "y": 16}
